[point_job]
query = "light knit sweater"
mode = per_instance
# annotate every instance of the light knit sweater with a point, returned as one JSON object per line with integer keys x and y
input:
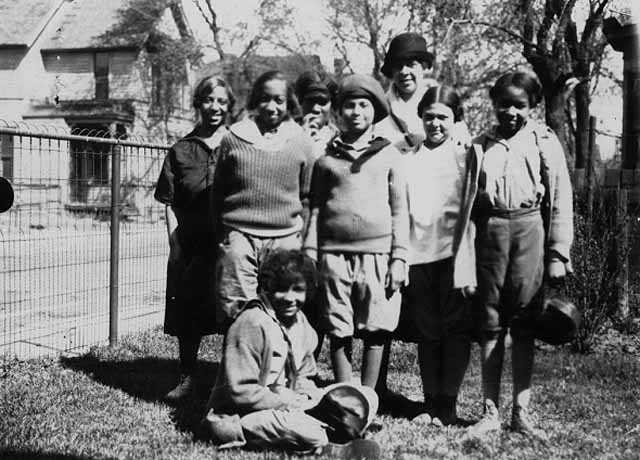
{"x": 359, "y": 205}
{"x": 262, "y": 183}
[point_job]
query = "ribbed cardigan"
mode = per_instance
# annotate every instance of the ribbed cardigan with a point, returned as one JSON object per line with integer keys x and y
{"x": 359, "y": 205}
{"x": 263, "y": 190}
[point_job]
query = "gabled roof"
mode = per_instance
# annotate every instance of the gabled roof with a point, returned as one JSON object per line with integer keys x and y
{"x": 22, "y": 21}
{"x": 86, "y": 24}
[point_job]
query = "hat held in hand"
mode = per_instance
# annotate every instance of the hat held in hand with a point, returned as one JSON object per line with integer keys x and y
{"x": 347, "y": 409}
{"x": 559, "y": 321}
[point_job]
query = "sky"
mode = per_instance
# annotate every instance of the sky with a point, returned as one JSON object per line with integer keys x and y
{"x": 230, "y": 12}
{"x": 311, "y": 14}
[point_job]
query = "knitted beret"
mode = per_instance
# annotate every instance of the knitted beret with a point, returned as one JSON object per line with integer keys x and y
{"x": 358, "y": 85}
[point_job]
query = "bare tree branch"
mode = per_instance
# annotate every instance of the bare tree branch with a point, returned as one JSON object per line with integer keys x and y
{"x": 212, "y": 21}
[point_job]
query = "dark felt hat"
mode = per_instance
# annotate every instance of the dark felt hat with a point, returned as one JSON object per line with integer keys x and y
{"x": 358, "y": 85}
{"x": 347, "y": 409}
{"x": 406, "y": 46}
{"x": 559, "y": 321}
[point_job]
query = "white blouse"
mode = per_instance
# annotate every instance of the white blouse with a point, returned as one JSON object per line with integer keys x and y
{"x": 435, "y": 178}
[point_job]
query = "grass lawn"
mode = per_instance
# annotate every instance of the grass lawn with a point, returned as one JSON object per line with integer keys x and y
{"x": 106, "y": 404}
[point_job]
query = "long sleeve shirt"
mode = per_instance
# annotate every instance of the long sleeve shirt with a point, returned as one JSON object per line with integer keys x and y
{"x": 435, "y": 178}
{"x": 510, "y": 174}
{"x": 262, "y": 182}
{"x": 359, "y": 203}
{"x": 259, "y": 356}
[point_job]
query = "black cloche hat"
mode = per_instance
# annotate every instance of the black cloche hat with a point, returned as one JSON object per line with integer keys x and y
{"x": 408, "y": 45}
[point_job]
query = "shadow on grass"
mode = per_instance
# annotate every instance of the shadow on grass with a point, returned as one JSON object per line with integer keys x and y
{"x": 15, "y": 454}
{"x": 150, "y": 379}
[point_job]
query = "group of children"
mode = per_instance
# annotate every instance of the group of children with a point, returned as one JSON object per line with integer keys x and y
{"x": 415, "y": 232}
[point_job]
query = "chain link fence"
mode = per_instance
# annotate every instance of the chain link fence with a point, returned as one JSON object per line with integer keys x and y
{"x": 83, "y": 250}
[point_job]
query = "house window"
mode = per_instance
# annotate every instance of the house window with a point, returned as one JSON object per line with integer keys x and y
{"x": 90, "y": 165}
{"x": 157, "y": 87}
{"x": 101, "y": 72}
{"x": 6, "y": 156}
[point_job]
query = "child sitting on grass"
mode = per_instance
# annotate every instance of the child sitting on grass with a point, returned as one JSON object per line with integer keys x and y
{"x": 359, "y": 230}
{"x": 263, "y": 386}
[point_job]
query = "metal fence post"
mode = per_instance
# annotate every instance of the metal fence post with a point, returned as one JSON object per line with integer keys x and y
{"x": 114, "y": 245}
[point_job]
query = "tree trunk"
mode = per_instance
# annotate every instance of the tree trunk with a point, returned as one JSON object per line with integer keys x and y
{"x": 582, "y": 124}
{"x": 555, "y": 115}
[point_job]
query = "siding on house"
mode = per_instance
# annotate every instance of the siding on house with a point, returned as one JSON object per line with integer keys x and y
{"x": 48, "y": 68}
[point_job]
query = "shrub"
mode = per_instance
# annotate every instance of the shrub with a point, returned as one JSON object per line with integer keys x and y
{"x": 597, "y": 262}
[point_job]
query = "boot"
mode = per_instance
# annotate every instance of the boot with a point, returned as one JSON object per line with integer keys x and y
{"x": 223, "y": 430}
{"x": 188, "y": 352}
{"x": 358, "y": 449}
{"x": 489, "y": 422}
{"x": 186, "y": 387}
{"x": 522, "y": 422}
{"x": 446, "y": 409}
{"x": 427, "y": 412}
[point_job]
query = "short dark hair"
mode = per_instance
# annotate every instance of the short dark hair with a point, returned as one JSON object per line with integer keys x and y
{"x": 281, "y": 268}
{"x": 445, "y": 95}
{"x": 206, "y": 87}
{"x": 523, "y": 80}
{"x": 293, "y": 108}
{"x": 313, "y": 81}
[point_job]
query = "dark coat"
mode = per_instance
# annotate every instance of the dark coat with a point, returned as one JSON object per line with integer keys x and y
{"x": 185, "y": 184}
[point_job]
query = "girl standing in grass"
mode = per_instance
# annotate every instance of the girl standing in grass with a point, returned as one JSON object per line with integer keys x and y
{"x": 359, "y": 230}
{"x": 184, "y": 186}
{"x": 441, "y": 255}
{"x": 524, "y": 218}
{"x": 261, "y": 187}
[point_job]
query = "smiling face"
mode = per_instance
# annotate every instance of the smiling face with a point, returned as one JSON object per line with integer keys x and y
{"x": 512, "y": 109}
{"x": 357, "y": 115}
{"x": 214, "y": 107}
{"x": 438, "y": 120}
{"x": 319, "y": 106}
{"x": 406, "y": 75}
{"x": 272, "y": 104}
{"x": 287, "y": 301}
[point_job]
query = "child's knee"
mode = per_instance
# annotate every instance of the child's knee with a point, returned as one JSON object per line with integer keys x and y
{"x": 376, "y": 339}
{"x": 490, "y": 335}
{"x": 337, "y": 343}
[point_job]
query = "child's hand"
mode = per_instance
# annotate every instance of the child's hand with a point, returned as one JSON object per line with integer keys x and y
{"x": 287, "y": 395}
{"x": 556, "y": 270}
{"x": 468, "y": 291}
{"x": 396, "y": 275}
{"x": 175, "y": 251}
{"x": 311, "y": 124}
{"x": 311, "y": 254}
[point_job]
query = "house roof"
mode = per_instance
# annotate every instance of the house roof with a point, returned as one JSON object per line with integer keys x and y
{"x": 90, "y": 24}
{"x": 23, "y": 21}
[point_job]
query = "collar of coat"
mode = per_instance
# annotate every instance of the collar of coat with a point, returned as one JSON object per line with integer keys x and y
{"x": 339, "y": 149}
{"x": 248, "y": 131}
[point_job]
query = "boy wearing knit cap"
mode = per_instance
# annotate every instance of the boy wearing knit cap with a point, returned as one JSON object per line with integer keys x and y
{"x": 359, "y": 230}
